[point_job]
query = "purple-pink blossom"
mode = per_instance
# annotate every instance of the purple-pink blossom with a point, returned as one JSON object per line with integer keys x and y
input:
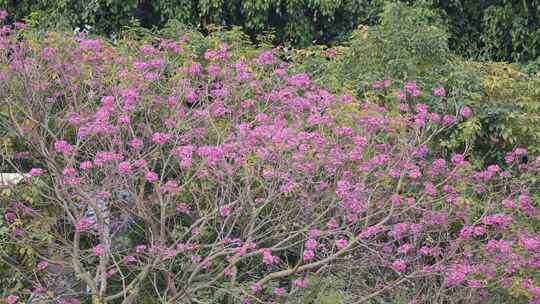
{"x": 255, "y": 287}
{"x": 465, "y": 112}
{"x": 99, "y": 250}
{"x": 35, "y": 172}
{"x": 42, "y": 265}
{"x": 84, "y": 224}
{"x": 399, "y": 265}
{"x": 308, "y": 255}
{"x": 151, "y": 177}
{"x": 341, "y": 243}
{"x": 439, "y": 91}
{"x": 12, "y": 299}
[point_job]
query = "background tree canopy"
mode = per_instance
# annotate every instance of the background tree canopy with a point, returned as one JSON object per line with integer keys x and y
{"x": 488, "y": 29}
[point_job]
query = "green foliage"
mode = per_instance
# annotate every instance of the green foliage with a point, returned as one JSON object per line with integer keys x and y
{"x": 495, "y": 29}
{"x": 322, "y": 290}
{"x": 506, "y": 103}
{"x": 410, "y": 42}
{"x": 298, "y": 21}
{"x": 512, "y": 30}
{"x": 16, "y": 259}
{"x": 101, "y": 15}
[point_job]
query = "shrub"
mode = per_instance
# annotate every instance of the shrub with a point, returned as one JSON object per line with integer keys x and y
{"x": 505, "y": 100}
{"x": 163, "y": 172}
{"x": 411, "y": 44}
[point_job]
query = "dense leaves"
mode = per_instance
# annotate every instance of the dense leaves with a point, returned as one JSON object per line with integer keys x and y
{"x": 500, "y": 30}
{"x": 411, "y": 43}
{"x": 298, "y": 21}
{"x": 496, "y": 29}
